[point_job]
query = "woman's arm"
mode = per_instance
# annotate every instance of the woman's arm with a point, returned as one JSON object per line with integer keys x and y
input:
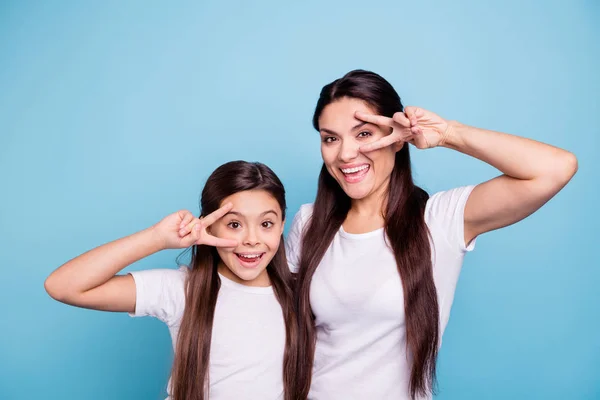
{"x": 533, "y": 173}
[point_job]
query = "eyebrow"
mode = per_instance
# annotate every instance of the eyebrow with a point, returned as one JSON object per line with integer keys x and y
{"x": 239, "y": 214}
{"x": 355, "y": 127}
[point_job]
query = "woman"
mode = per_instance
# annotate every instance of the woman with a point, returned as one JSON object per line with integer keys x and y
{"x": 377, "y": 258}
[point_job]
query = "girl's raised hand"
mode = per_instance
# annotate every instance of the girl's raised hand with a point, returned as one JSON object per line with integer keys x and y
{"x": 182, "y": 229}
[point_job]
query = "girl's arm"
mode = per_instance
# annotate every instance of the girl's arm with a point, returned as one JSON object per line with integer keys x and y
{"x": 90, "y": 280}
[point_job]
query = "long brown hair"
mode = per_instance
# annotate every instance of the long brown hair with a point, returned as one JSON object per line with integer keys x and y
{"x": 192, "y": 353}
{"x": 406, "y": 231}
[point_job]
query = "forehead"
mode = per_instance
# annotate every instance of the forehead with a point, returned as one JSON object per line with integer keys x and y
{"x": 339, "y": 115}
{"x": 252, "y": 203}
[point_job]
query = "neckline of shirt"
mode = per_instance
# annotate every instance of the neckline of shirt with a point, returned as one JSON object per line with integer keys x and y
{"x": 360, "y": 236}
{"x": 226, "y": 282}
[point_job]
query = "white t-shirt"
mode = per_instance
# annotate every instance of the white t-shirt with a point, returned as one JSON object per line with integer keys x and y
{"x": 248, "y": 337}
{"x": 357, "y": 298}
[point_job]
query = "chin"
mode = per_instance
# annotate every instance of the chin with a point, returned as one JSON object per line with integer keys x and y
{"x": 248, "y": 275}
{"x": 356, "y": 194}
{"x": 356, "y": 191}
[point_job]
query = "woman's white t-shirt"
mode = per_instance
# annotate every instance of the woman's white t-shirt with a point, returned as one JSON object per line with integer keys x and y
{"x": 357, "y": 298}
{"x": 248, "y": 336}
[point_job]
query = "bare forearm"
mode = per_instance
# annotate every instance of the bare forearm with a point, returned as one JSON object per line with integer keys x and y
{"x": 533, "y": 173}
{"x": 98, "y": 265}
{"x": 514, "y": 156}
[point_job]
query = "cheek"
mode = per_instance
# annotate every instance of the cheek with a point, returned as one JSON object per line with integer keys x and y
{"x": 329, "y": 159}
{"x": 273, "y": 240}
{"x": 384, "y": 161}
{"x": 328, "y": 153}
{"x": 224, "y": 254}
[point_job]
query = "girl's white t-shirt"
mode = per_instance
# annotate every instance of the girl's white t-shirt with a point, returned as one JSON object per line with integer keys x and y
{"x": 248, "y": 337}
{"x": 357, "y": 298}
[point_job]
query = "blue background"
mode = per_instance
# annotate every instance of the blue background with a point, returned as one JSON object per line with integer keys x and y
{"x": 112, "y": 115}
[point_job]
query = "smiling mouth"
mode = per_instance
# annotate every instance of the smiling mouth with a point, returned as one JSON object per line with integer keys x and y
{"x": 249, "y": 260}
{"x": 355, "y": 174}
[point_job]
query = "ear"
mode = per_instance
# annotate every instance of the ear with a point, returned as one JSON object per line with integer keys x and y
{"x": 398, "y": 146}
{"x": 282, "y": 226}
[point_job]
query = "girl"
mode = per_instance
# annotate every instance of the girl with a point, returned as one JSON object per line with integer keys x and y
{"x": 230, "y": 315}
{"x": 378, "y": 259}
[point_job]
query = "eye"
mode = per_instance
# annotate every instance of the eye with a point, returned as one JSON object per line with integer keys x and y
{"x": 329, "y": 139}
{"x": 364, "y": 134}
{"x": 267, "y": 224}
{"x": 233, "y": 225}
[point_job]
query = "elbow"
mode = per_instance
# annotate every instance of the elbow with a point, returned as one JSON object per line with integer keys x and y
{"x": 563, "y": 168}
{"x": 567, "y": 168}
{"x": 54, "y": 290}
{"x": 50, "y": 288}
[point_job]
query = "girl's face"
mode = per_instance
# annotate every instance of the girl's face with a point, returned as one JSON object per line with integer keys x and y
{"x": 360, "y": 175}
{"x": 256, "y": 223}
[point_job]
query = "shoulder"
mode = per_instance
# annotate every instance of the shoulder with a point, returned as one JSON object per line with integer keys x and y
{"x": 161, "y": 293}
{"x": 301, "y": 218}
{"x": 293, "y": 242}
{"x": 446, "y": 203}
{"x": 305, "y": 211}
{"x": 444, "y": 216}
{"x": 162, "y": 276}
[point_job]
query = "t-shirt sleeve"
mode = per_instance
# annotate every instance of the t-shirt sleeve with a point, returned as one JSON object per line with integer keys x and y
{"x": 293, "y": 242}
{"x": 445, "y": 216}
{"x": 160, "y": 293}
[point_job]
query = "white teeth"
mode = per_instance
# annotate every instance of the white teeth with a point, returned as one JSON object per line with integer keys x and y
{"x": 250, "y": 255}
{"x": 355, "y": 169}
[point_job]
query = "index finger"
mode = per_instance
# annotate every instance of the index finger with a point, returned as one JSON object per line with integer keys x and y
{"x": 374, "y": 119}
{"x": 216, "y": 215}
{"x": 218, "y": 242}
{"x": 379, "y": 144}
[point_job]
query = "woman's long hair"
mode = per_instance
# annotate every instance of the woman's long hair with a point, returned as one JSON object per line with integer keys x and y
{"x": 405, "y": 228}
{"x": 192, "y": 353}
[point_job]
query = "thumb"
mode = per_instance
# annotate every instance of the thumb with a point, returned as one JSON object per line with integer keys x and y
{"x": 411, "y": 114}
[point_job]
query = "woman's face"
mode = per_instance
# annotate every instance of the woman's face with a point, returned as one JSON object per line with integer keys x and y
{"x": 360, "y": 175}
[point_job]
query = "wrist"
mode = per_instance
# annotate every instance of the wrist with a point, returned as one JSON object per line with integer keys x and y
{"x": 452, "y": 138}
{"x": 153, "y": 239}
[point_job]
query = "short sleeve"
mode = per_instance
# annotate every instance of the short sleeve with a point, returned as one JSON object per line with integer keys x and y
{"x": 445, "y": 216}
{"x": 160, "y": 293}
{"x": 293, "y": 242}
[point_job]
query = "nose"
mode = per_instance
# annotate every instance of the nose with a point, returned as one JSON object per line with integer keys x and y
{"x": 348, "y": 151}
{"x": 251, "y": 239}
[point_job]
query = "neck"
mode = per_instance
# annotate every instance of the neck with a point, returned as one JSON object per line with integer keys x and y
{"x": 262, "y": 280}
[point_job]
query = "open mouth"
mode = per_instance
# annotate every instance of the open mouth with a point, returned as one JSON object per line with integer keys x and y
{"x": 355, "y": 174}
{"x": 249, "y": 260}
